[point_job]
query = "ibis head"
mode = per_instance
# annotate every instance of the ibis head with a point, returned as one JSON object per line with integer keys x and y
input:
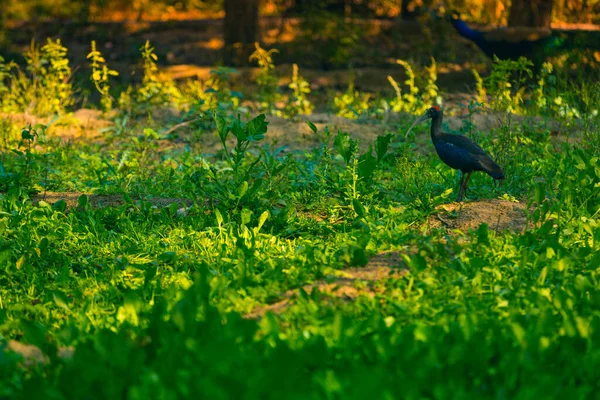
{"x": 433, "y": 112}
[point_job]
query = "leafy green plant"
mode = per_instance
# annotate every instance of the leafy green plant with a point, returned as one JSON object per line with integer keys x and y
{"x": 541, "y": 92}
{"x": 359, "y": 168}
{"x": 219, "y": 93}
{"x": 412, "y": 102}
{"x": 351, "y": 104}
{"x": 101, "y": 76}
{"x": 235, "y": 187}
{"x": 157, "y": 88}
{"x": 46, "y": 88}
{"x": 298, "y": 103}
{"x": 506, "y": 84}
{"x": 431, "y": 90}
{"x": 5, "y": 76}
{"x": 29, "y": 164}
{"x": 268, "y": 90}
{"x": 481, "y": 93}
{"x": 54, "y": 75}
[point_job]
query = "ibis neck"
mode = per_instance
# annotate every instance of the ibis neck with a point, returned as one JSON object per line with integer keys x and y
{"x": 463, "y": 29}
{"x": 436, "y": 127}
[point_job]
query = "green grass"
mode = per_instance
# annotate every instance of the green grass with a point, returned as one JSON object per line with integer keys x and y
{"x": 153, "y": 299}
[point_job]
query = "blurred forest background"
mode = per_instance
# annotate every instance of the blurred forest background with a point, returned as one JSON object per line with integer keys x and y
{"x": 484, "y": 11}
{"x": 192, "y": 36}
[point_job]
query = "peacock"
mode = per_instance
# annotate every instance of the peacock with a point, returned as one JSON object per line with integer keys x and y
{"x": 534, "y": 43}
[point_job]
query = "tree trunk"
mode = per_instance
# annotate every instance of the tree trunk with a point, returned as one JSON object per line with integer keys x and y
{"x": 404, "y": 12}
{"x": 240, "y": 30}
{"x": 531, "y": 13}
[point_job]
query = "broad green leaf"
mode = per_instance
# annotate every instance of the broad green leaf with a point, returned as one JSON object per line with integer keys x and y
{"x": 345, "y": 146}
{"x": 262, "y": 219}
{"x": 222, "y": 128}
{"x": 382, "y": 144}
{"x": 246, "y": 216}
{"x": 219, "y": 217}
{"x": 255, "y": 187}
{"x": 61, "y": 300}
{"x": 542, "y": 278}
{"x": 257, "y": 128}
{"x": 359, "y": 209}
{"x": 239, "y": 130}
{"x": 82, "y": 201}
{"x": 60, "y": 205}
{"x": 366, "y": 165}
{"x": 242, "y": 189}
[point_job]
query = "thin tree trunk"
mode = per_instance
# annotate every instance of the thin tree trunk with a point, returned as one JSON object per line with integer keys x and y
{"x": 404, "y": 12}
{"x": 531, "y": 13}
{"x": 240, "y": 30}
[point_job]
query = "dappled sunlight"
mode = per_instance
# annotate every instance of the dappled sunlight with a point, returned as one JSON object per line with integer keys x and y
{"x": 212, "y": 44}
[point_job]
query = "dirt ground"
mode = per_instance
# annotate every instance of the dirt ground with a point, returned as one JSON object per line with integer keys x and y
{"x": 343, "y": 284}
{"x": 97, "y": 200}
{"x": 499, "y": 215}
{"x": 294, "y": 135}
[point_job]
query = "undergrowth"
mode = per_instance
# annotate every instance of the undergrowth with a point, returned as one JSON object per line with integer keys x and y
{"x": 155, "y": 298}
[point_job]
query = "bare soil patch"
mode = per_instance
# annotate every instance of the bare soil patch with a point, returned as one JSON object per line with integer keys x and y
{"x": 499, "y": 215}
{"x": 292, "y": 134}
{"x": 33, "y": 355}
{"x": 97, "y": 201}
{"x": 295, "y": 135}
{"x": 343, "y": 284}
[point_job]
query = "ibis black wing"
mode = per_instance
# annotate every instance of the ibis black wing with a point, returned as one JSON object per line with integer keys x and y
{"x": 464, "y": 143}
{"x": 481, "y": 158}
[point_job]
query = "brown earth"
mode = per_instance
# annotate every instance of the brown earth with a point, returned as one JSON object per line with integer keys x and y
{"x": 97, "y": 200}
{"x": 293, "y": 134}
{"x": 499, "y": 215}
{"x": 383, "y": 266}
{"x": 33, "y": 355}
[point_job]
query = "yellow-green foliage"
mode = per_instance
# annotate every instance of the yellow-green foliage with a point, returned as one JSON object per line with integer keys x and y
{"x": 539, "y": 95}
{"x": 101, "y": 76}
{"x": 218, "y": 93}
{"x": 430, "y": 94}
{"x": 45, "y": 87}
{"x": 481, "y": 94}
{"x": 413, "y": 102}
{"x": 506, "y": 84}
{"x": 5, "y": 76}
{"x": 268, "y": 91}
{"x": 55, "y": 75}
{"x": 299, "y": 103}
{"x": 351, "y": 104}
{"x": 157, "y": 88}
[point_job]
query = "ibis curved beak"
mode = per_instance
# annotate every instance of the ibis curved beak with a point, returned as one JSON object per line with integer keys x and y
{"x": 421, "y": 119}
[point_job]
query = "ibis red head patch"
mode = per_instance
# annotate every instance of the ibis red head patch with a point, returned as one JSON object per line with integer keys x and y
{"x": 437, "y": 108}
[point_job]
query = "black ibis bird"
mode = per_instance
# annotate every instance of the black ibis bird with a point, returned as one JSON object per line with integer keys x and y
{"x": 457, "y": 151}
{"x": 534, "y": 43}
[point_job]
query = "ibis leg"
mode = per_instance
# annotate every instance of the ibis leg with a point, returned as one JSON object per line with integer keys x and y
{"x": 467, "y": 181}
{"x": 460, "y": 190}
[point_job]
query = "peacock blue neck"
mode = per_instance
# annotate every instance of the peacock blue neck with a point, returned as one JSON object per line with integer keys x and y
{"x": 463, "y": 29}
